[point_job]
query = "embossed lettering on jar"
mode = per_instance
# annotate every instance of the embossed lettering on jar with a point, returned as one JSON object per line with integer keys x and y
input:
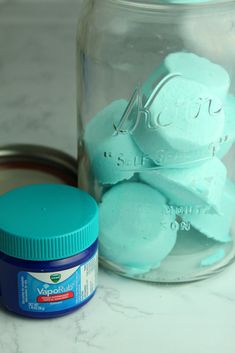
{"x": 156, "y": 98}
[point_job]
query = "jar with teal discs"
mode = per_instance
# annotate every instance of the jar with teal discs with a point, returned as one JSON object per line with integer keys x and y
{"x": 156, "y": 116}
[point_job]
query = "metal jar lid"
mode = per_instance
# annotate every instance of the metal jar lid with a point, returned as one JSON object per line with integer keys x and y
{"x": 32, "y": 164}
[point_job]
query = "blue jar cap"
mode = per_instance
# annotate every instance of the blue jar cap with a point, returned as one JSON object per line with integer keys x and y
{"x": 47, "y": 222}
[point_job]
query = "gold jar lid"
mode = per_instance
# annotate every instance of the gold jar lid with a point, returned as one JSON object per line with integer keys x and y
{"x": 33, "y": 164}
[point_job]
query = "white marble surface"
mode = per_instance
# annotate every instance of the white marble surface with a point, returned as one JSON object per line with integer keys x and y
{"x": 37, "y": 104}
{"x": 37, "y": 73}
{"x": 131, "y": 317}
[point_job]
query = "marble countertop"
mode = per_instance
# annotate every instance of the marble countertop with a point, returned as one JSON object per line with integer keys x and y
{"x": 131, "y": 317}
{"x": 37, "y": 73}
{"x": 37, "y": 104}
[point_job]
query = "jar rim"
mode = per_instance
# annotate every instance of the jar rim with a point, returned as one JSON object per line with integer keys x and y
{"x": 159, "y": 6}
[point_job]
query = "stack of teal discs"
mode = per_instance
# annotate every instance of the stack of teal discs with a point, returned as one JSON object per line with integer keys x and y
{"x": 161, "y": 158}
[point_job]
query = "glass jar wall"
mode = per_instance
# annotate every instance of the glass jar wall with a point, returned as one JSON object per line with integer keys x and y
{"x": 156, "y": 111}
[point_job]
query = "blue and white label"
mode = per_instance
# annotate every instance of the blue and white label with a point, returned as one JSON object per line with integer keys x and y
{"x": 56, "y": 291}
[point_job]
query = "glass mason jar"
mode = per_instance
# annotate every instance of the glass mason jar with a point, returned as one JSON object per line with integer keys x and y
{"x": 156, "y": 112}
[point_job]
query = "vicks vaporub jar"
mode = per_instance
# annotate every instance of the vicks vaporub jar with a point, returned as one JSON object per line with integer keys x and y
{"x": 48, "y": 250}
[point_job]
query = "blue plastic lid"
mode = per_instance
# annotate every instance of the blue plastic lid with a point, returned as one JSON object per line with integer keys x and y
{"x": 47, "y": 222}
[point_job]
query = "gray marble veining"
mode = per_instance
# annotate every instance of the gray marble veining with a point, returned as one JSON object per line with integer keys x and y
{"x": 37, "y": 74}
{"x": 128, "y": 316}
